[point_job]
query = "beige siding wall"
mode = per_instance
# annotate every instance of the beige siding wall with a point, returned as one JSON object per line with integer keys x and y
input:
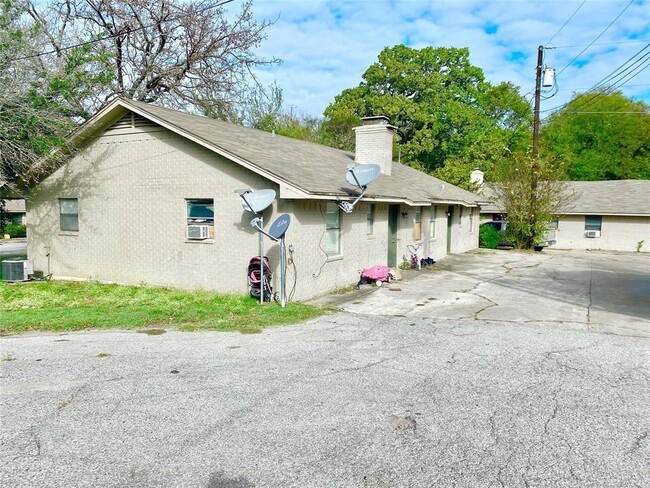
{"x": 617, "y": 234}
{"x": 132, "y": 191}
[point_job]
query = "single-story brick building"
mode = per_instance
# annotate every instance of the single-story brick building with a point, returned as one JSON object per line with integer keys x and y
{"x": 605, "y": 215}
{"x": 121, "y": 207}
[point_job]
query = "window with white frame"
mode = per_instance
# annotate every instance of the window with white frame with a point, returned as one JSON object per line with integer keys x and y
{"x": 417, "y": 227}
{"x": 200, "y": 218}
{"x": 471, "y": 221}
{"x": 332, "y": 238}
{"x": 69, "y": 214}
{"x": 433, "y": 213}
{"x": 370, "y": 219}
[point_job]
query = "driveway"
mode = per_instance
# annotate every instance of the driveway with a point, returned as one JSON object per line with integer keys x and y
{"x": 353, "y": 399}
{"x": 600, "y": 291}
{"x": 13, "y": 247}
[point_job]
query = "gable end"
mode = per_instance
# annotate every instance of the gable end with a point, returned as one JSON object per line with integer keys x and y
{"x": 132, "y": 123}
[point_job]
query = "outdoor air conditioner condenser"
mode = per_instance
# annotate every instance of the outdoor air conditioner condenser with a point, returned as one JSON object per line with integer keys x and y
{"x": 17, "y": 270}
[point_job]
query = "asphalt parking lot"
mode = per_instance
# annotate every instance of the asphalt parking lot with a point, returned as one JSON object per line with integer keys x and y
{"x": 449, "y": 384}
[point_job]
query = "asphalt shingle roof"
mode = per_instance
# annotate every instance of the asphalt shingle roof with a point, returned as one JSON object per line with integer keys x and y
{"x": 316, "y": 169}
{"x": 621, "y": 197}
{"x": 616, "y": 197}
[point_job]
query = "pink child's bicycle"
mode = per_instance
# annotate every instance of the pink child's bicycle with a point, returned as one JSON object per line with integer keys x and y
{"x": 415, "y": 259}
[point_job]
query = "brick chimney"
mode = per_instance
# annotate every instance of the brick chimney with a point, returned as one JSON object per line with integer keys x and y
{"x": 374, "y": 143}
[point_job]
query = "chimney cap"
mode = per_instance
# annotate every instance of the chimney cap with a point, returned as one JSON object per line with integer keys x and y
{"x": 375, "y": 120}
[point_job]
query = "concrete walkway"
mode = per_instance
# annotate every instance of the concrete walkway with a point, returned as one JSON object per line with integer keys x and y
{"x": 607, "y": 292}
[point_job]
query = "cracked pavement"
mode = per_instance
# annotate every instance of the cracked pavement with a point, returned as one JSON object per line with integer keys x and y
{"x": 602, "y": 291}
{"x": 347, "y": 400}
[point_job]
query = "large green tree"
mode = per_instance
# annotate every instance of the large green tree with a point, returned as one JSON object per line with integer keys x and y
{"x": 34, "y": 112}
{"x": 449, "y": 119}
{"x": 600, "y": 135}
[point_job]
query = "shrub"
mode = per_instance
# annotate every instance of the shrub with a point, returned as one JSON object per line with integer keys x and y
{"x": 489, "y": 237}
{"x": 16, "y": 230}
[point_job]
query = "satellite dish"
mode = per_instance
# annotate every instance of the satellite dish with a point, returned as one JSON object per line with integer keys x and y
{"x": 280, "y": 226}
{"x": 362, "y": 174}
{"x": 256, "y": 201}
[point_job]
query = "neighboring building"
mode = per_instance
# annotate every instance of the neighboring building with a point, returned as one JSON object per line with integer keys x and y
{"x": 120, "y": 208}
{"x": 14, "y": 209}
{"x": 606, "y": 215}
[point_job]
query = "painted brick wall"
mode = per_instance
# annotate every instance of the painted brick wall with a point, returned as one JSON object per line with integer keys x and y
{"x": 617, "y": 234}
{"x": 132, "y": 190}
{"x": 132, "y": 215}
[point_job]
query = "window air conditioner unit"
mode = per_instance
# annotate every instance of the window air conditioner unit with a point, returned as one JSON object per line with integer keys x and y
{"x": 198, "y": 232}
{"x": 592, "y": 233}
{"x": 17, "y": 269}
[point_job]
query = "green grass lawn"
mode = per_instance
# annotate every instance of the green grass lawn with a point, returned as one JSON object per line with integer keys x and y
{"x": 67, "y": 306}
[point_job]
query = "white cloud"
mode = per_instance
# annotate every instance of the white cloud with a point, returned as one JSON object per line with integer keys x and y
{"x": 327, "y": 45}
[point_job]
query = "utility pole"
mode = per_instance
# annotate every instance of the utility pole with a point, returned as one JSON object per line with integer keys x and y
{"x": 538, "y": 94}
{"x": 532, "y": 219}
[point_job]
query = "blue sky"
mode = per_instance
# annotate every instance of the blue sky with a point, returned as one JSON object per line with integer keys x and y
{"x": 327, "y": 45}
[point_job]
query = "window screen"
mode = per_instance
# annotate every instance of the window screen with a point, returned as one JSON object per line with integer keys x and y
{"x": 370, "y": 219}
{"x": 433, "y": 213}
{"x": 332, "y": 238}
{"x": 69, "y": 214}
{"x": 593, "y": 222}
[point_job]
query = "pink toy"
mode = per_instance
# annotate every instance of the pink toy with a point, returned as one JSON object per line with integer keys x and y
{"x": 376, "y": 274}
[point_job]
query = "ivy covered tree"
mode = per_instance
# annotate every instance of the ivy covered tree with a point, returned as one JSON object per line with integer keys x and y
{"x": 449, "y": 119}
{"x": 601, "y": 135}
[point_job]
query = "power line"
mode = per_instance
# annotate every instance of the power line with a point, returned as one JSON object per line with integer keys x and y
{"x": 614, "y": 74}
{"x": 568, "y": 20}
{"x": 588, "y": 88}
{"x": 112, "y": 36}
{"x": 597, "y": 37}
{"x": 638, "y": 41}
{"x": 610, "y": 77}
{"x": 610, "y": 89}
{"x": 611, "y": 112}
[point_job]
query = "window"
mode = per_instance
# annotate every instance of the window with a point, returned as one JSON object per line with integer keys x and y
{"x": 417, "y": 228}
{"x": 332, "y": 245}
{"x": 200, "y": 218}
{"x": 593, "y": 222}
{"x": 69, "y": 214}
{"x": 370, "y": 219}
{"x": 433, "y": 213}
{"x": 471, "y": 221}
{"x": 555, "y": 224}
